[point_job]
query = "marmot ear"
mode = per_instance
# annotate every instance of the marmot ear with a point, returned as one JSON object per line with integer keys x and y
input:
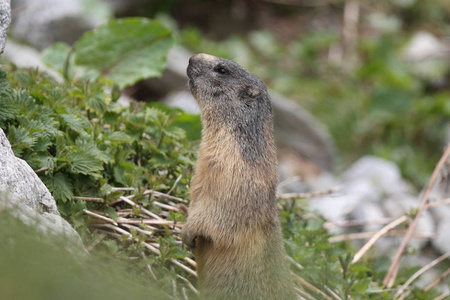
{"x": 252, "y": 92}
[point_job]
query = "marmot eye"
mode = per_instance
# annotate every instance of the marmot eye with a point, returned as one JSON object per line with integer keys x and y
{"x": 222, "y": 71}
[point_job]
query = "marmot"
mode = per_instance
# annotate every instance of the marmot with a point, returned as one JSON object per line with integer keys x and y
{"x": 233, "y": 223}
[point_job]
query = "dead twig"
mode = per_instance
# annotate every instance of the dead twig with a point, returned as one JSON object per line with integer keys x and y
{"x": 437, "y": 203}
{"x": 189, "y": 284}
{"x": 174, "y": 185}
{"x": 101, "y": 217}
{"x": 42, "y": 170}
{"x": 89, "y": 199}
{"x": 309, "y": 195}
{"x": 442, "y": 297}
{"x": 369, "y": 234}
{"x": 391, "y": 275}
{"x": 416, "y": 275}
{"x": 351, "y": 223}
{"x": 376, "y": 236}
{"x": 437, "y": 281}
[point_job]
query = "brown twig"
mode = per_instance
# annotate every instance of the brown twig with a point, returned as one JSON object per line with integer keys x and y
{"x": 310, "y": 287}
{"x": 351, "y": 223}
{"x": 437, "y": 281}
{"x": 437, "y": 203}
{"x": 189, "y": 284}
{"x": 309, "y": 195}
{"x": 127, "y": 200}
{"x": 369, "y": 234}
{"x": 42, "y": 170}
{"x": 101, "y": 217}
{"x": 89, "y": 199}
{"x": 389, "y": 279}
{"x": 174, "y": 185}
{"x": 376, "y": 236}
{"x": 442, "y": 297}
{"x": 422, "y": 270}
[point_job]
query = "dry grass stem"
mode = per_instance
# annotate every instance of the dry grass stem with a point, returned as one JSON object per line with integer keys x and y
{"x": 416, "y": 275}
{"x": 296, "y": 264}
{"x": 148, "y": 267}
{"x": 369, "y": 234}
{"x": 376, "y": 236}
{"x": 191, "y": 262}
{"x": 176, "y": 262}
{"x": 352, "y": 223}
{"x": 302, "y": 282}
{"x": 100, "y": 217}
{"x": 437, "y": 281}
{"x": 165, "y": 206}
{"x": 389, "y": 279}
{"x": 189, "y": 284}
{"x": 303, "y": 295}
{"x": 443, "y": 296}
{"x": 146, "y": 211}
{"x": 89, "y": 199}
{"x": 42, "y": 170}
{"x": 437, "y": 203}
{"x": 309, "y": 195}
{"x": 289, "y": 180}
{"x": 174, "y": 185}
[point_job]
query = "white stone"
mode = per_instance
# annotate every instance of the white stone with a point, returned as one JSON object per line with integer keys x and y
{"x": 24, "y": 194}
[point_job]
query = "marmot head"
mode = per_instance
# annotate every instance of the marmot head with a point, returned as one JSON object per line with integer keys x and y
{"x": 225, "y": 90}
{"x": 232, "y": 97}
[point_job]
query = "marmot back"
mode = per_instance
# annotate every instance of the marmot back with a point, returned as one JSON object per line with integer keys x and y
{"x": 233, "y": 222}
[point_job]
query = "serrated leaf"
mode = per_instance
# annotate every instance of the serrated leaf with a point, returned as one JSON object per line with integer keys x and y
{"x": 97, "y": 102}
{"x": 5, "y": 87}
{"x": 20, "y": 139}
{"x": 8, "y": 109}
{"x": 126, "y": 50}
{"x": 84, "y": 161}
{"x": 175, "y": 132}
{"x": 118, "y": 136}
{"x": 62, "y": 187}
{"x": 74, "y": 122}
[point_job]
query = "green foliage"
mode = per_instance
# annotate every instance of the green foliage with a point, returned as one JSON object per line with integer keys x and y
{"x": 41, "y": 267}
{"x": 123, "y": 51}
{"x": 86, "y": 140}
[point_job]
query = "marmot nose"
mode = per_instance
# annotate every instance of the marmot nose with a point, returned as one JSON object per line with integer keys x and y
{"x": 200, "y": 57}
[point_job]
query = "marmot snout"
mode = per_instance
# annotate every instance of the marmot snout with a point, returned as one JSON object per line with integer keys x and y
{"x": 233, "y": 222}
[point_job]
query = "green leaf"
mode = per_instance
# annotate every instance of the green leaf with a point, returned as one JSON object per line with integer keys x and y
{"x": 74, "y": 122}
{"x": 118, "y": 136}
{"x": 62, "y": 188}
{"x": 126, "y": 50}
{"x": 20, "y": 139}
{"x": 84, "y": 161}
{"x": 8, "y": 109}
{"x": 56, "y": 56}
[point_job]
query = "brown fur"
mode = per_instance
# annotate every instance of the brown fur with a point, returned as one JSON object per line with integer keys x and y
{"x": 233, "y": 221}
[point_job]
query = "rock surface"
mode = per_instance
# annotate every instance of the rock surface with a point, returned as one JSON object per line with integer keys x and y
{"x": 24, "y": 194}
{"x": 41, "y": 23}
{"x": 5, "y": 20}
{"x": 375, "y": 193}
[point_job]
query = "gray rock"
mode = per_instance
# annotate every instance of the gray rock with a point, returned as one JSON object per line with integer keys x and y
{"x": 5, "y": 20}
{"x": 27, "y": 57}
{"x": 41, "y": 23}
{"x": 373, "y": 189}
{"x": 24, "y": 194}
{"x": 298, "y": 130}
